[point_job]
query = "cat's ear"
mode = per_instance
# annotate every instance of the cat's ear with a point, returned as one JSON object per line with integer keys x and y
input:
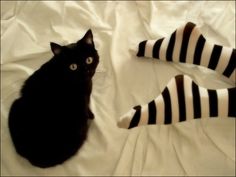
{"x": 88, "y": 37}
{"x": 56, "y": 49}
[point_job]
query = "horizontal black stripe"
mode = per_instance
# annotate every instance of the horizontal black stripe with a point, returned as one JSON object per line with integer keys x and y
{"x": 152, "y": 112}
{"x": 156, "y": 48}
{"x": 170, "y": 48}
{"x": 213, "y": 103}
{"x": 231, "y": 65}
{"x": 198, "y": 50}
{"x": 232, "y": 102}
{"x": 215, "y": 56}
{"x": 135, "y": 120}
{"x": 167, "y": 103}
{"x": 141, "y": 49}
{"x": 181, "y": 98}
{"x": 196, "y": 101}
{"x": 186, "y": 35}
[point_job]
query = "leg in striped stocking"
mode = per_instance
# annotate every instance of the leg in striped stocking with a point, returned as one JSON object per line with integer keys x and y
{"x": 182, "y": 100}
{"x": 188, "y": 45}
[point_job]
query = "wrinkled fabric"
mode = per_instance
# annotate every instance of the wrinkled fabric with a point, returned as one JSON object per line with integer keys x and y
{"x": 198, "y": 147}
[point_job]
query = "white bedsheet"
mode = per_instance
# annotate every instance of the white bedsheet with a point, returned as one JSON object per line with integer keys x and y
{"x": 197, "y": 147}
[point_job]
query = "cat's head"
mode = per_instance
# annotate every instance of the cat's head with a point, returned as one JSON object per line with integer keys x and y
{"x": 77, "y": 59}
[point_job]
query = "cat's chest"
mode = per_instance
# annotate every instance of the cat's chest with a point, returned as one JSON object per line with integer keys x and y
{"x": 62, "y": 103}
{"x": 65, "y": 96}
{"x": 56, "y": 91}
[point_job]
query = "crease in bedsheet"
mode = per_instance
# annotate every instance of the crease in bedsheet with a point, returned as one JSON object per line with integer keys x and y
{"x": 212, "y": 22}
{"x": 135, "y": 154}
{"x": 146, "y": 22}
{"x": 149, "y": 12}
{"x": 137, "y": 162}
{"x": 6, "y": 25}
{"x": 165, "y": 152}
{"x": 58, "y": 30}
{"x": 222, "y": 39}
{"x": 124, "y": 158}
{"x": 27, "y": 30}
{"x": 122, "y": 150}
{"x": 176, "y": 153}
{"x": 150, "y": 142}
{"x": 12, "y": 12}
{"x": 96, "y": 22}
{"x": 114, "y": 55}
{"x": 33, "y": 35}
{"x": 146, "y": 141}
{"x": 92, "y": 12}
{"x": 87, "y": 12}
{"x": 159, "y": 150}
{"x": 200, "y": 73}
{"x": 145, "y": 149}
{"x": 190, "y": 146}
{"x": 21, "y": 52}
{"x": 7, "y": 95}
{"x": 146, "y": 145}
{"x": 14, "y": 66}
{"x": 215, "y": 144}
{"x": 7, "y": 14}
{"x": 43, "y": 54}
{"x": 158, "y": 85}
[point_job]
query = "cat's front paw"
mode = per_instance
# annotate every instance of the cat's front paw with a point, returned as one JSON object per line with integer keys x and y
{"x": 90, "y": 115}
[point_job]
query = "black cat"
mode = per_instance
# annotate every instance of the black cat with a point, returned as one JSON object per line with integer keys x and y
{"x": 49, "y": 122}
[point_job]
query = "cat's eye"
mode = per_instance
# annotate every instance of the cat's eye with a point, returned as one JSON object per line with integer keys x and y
{"x": 73, "y": 66}
{"x": 89, "y": 60}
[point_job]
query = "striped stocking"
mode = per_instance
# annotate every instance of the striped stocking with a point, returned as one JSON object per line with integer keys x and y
{"x": 181, "y": 100}
{"x": 188, "y": 45}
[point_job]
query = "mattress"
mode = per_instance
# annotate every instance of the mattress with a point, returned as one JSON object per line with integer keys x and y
{"x": 122, "y": 80}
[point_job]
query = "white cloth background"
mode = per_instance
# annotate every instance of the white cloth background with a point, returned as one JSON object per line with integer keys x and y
{"x": 198, "y": 147}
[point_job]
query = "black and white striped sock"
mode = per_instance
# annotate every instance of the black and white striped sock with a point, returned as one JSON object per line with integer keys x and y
{"x": 182, "y": 100}
{"x": 187, "y": 45}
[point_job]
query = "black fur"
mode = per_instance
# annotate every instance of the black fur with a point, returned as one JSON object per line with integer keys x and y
{"x": 49, "y": 121}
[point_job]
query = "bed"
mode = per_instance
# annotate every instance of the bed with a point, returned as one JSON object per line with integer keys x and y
{"x": 122, "y": 80}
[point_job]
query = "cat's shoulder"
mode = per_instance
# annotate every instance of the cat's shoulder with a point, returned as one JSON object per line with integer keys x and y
{"x": 38, "y": 79}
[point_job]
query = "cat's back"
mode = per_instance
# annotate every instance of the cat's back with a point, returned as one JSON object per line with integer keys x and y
{"x": 45, "y": 96}
{"x": 43, "y": 115}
